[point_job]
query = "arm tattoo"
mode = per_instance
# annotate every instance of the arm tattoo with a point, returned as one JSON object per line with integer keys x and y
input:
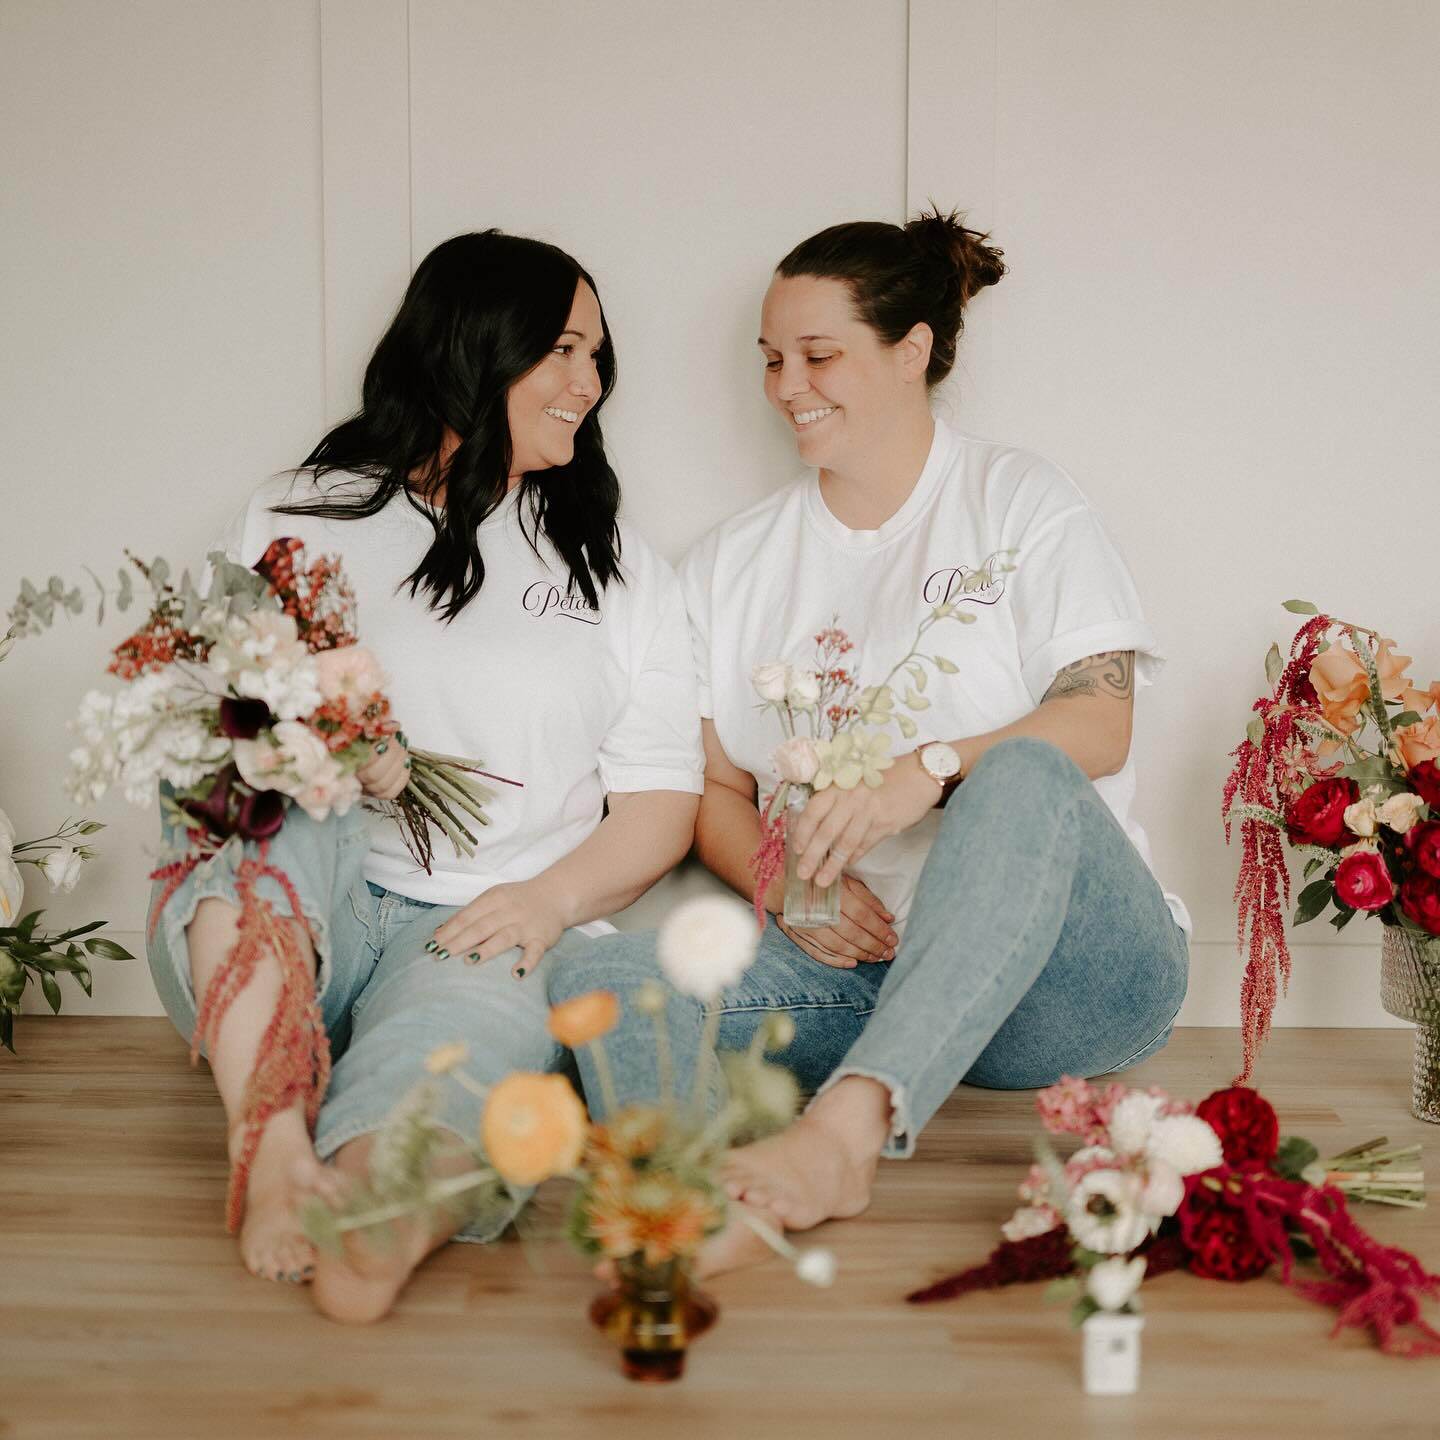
{"x": 1111, "y": 673}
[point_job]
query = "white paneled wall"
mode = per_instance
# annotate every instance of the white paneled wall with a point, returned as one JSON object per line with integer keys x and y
{"x": 1222, "y": 222}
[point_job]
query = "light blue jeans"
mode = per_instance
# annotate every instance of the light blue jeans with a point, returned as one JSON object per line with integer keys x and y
{"x": 1038, "y": 945}
{"x": 386, "y": 1003}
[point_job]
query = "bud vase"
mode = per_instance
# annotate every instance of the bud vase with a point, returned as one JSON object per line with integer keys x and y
{"x": 1410, "y": 990}
{"x": 808, "y": 906}
{"x": 1112, "y": 1353}
{"x": 653, "y": 1314}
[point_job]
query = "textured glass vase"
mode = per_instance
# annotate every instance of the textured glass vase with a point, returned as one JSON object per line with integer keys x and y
{"x": 653, "y": 1314}
{"x": 808, "y": 906}
{"x": 1410, "y": 990}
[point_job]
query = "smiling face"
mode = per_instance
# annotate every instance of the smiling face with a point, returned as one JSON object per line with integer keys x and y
{"x": 548, "y": 403}
{"x": 829, "y": 374}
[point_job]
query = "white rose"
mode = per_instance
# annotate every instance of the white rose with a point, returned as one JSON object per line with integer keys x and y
{"x": 707, "y": 944}
{"x": 797, "y": 760}
{"x": 12, "y": 890}
{"x": 1360, "y": 818}
{"x": 1112, "y": 1283}
{"x": 1185, "y": 1143}
{"x": 1164, "y": 1189}
{"x": 771, "y": 681}
{"x": 7, "y": 835}
{"x": 1400, "y": 812}
{"x": 1131, "y": 1120}
{"x": 1029, "y": 1221}
{"x": 307, "y": 756}
{"x": 61, "y": 867}
{"x": 804, "y": 689}
{"x": 817, "y": 1266}
{"x": 260, "y": 763}
{"x": 1104, "y": 1213}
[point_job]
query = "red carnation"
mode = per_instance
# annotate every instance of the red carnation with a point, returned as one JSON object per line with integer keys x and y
{"x": 1216, "y": 1230}
{"x": 1246, "y": 1124}
{"x": 1362, "y": 882}
{"x": 1423, "y": 843}
{"x": 1425, "y": 782}
{"x": 1420, "y": 900}
{"x": 1317, "y": 817}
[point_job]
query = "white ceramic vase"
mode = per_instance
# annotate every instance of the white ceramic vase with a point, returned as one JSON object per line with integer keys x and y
{"x": 1112, "y": 1353}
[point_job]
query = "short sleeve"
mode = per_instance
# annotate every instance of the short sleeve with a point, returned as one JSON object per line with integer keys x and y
{"x": 696, "y": 572}
{"x": 1072, "y": 596}
{"x": 654, "y": 743}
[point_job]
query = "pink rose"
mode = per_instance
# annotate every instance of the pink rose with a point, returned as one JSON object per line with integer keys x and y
{"x": 1419, "y": 742}
{"x": 797, "y": 760}
{"x": 1362, "y": 882}
{"x": 349, "y": 673}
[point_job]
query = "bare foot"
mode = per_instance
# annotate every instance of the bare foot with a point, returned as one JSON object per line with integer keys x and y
{"x": 737, "y": 1245}
{"x": 361, "y": 1285}
{"x": 272, "y": 1244}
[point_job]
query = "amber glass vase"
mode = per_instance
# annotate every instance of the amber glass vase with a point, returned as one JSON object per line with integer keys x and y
{"x": 653, "y": 1314}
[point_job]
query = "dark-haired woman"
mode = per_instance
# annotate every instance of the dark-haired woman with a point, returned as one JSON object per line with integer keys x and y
{"x": 474, "y": 510}
{"x": 1000, "y": 924}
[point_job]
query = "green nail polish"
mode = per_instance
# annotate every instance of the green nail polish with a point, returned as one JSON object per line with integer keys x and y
{"x": 473, "y": 957}
{"x": 442, "y": 953}
{"x": 519, "y": 972}
{"x": 431, "y": 946}
{"x": 382, "y": 747}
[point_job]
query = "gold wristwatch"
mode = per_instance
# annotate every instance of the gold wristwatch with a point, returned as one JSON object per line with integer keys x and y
{"x": 941, "y": 763}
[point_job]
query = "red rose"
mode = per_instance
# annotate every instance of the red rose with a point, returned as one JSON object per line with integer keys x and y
{"x": 1362, "y": 881}
{"x": 1423, "y": 843}
{"x": 1317, "y": 817}
{"x": 1425, "y": 782}
{"x": 1215, "y": 1231}
{"x": 1420, "y": 900}
{"x": 1246, "y": 1124}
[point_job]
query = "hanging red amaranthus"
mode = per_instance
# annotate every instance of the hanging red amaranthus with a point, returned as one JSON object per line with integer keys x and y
{"x": 769, "y": 857}
{"x": 1276, "y": 753}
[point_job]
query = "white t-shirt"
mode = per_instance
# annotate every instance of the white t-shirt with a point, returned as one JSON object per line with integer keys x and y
{"x": 761, "y": 585}
{"x": 572, "y": 702}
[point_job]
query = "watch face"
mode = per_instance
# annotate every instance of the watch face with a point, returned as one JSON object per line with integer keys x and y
{"x": 940, "y": 760}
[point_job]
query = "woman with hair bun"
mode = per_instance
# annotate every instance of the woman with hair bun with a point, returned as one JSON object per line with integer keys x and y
{"x": 1000, "y": 925}
{"x": 474, "y": 511}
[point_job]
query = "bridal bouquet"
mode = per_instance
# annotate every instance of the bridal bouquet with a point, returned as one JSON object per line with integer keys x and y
{"x": 239, "y": 703}
{"x": 646, "y": 1178}
{"x": 834, "y": 733}
{"x": 1160, "y": 1185}
{"x": 1341, "y": 761}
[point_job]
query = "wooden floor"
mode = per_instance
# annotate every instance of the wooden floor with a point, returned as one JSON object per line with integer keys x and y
{"x": 123, "y": 1311}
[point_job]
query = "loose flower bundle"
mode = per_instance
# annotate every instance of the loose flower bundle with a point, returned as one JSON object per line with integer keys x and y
{"x": 1342, "y": 761}
{"x": 646, "y": 1186}
{"x": 240, "y": 702}
{"x": 27, "y": 952}
{"x": 834, "y": 732}
{"x": 1158, "y": 1185}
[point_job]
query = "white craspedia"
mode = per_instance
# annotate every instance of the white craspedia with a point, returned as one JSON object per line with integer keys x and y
{"x": 817, "y": 1266}
{"x": 707, "y": 944}
{"x": 1184, "y": 1142}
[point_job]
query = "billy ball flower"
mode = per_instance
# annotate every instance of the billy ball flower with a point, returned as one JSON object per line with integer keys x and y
{"x": 705, "y": 945}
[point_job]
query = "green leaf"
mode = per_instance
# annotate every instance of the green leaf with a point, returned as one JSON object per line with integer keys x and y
{"x": 965, "y": 618}
{"x": 1312, "y": 865}
{"x": 80, "y": 930}
{"x": 109, "y": 949}
{"x": 1405, "y": 717}
{"x": 944, "y": 666}
{"x": 52, "y": 992}
{"x": 1255, "y": 731}
{"x": 920, "y": 678}
{"x": 907, "y": 726}
{"x": 1313, "y": 899}
{"x": 1301, "y": 607}
{"x": 159, "y": 572}
{"x": 26, "y": 928}
{"x": 1341, "y": 920}
{"x": 1294, "y": 1155}
{"x": 7, "y": 1030}
{"x": 1273, "y": 664}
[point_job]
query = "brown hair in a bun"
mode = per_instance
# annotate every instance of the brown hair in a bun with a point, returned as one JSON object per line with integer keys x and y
{"x": 900, "y": 275}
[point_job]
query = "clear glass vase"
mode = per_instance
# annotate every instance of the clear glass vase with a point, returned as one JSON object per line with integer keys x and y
{"x": 808, "y": 906}
{"x": 1410, "y": 990}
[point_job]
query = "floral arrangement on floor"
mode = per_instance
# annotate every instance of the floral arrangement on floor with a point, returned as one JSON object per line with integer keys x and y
{"x": 836, "y": 734}
{"x": 28, "y": 953}
{"x": 1160, "y": 1185}
{"x": 646, "y": 1188}
{"x": 1340, "y": 762}
{"x": 240, "y": 702}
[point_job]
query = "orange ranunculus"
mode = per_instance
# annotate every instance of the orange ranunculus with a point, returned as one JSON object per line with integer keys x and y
{"x": 1339, "y": 681}
{"x": 1419, "y": 742}
{"x": 585, "y": 1018}
{"x": 533, "y": 1127}
{"x": 656, "y": 1215}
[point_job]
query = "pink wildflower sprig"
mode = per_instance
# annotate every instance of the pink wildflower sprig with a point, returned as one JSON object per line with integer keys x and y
{"x": 769, "y": 858}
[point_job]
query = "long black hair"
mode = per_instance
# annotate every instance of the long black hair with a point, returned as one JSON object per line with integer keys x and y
{"x": 481, "y": 311}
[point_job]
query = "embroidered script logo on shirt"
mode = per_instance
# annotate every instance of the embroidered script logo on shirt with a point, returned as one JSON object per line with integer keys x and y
{"x": 542, "y": 598}
{"x": 983, "y": 586}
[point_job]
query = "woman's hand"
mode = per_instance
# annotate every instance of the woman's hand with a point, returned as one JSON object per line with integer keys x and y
{"x": 838, "y": 826}
{"x": 524, "y": 914}
{"x": 387, "y": 772}
{"x": 864, "y": 934}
